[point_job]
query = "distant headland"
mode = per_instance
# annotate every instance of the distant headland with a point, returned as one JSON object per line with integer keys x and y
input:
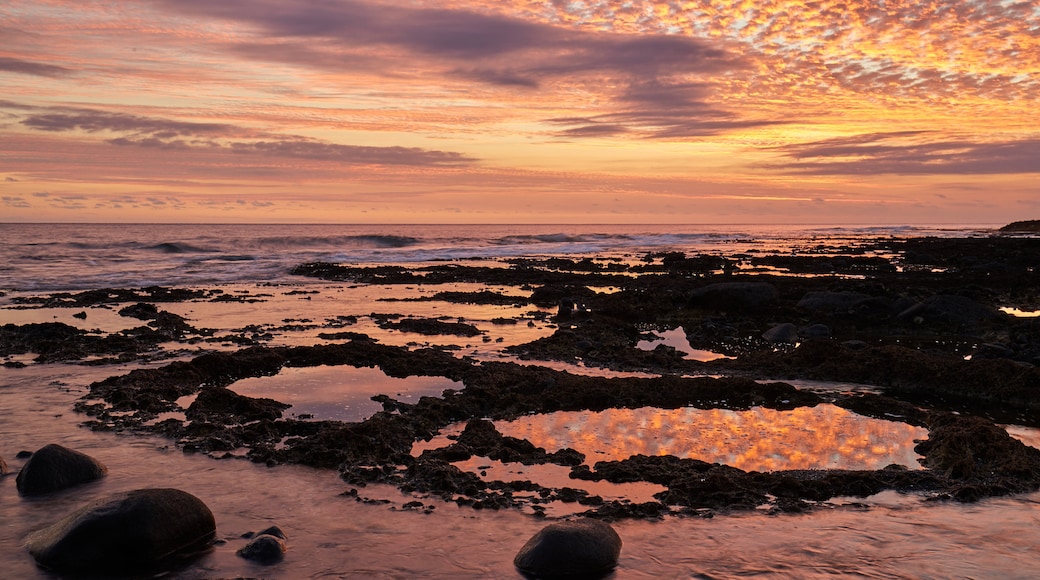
{"x": 1023, "y": 226}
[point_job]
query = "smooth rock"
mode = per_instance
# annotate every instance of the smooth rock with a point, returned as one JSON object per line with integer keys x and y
{"x": 127, "y": 532}
{"x": 573, "y": 549}
{"x": 831, "y": 302}
{"x": 54, "y": 467}
{"x": 734, "y": 296}
{"x": 782, "y": 333}
{"x": 816, "y": 331}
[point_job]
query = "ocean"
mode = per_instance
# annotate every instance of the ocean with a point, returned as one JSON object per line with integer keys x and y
{"x": 52, "y": 257}
{"x": 331, "y": 535}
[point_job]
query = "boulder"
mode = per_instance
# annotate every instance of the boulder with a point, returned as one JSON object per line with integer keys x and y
{"x": 951, "y": 309}
{"x": 54, "y": 467}
{"x": 266, "y": 547}
{"x": 574, "y": 549}
{"x": 831, "y": 302}
{"x": 786, "y": 333}
{"x": 128, "y": 532}
{"x": 734, "y": 296}
{"x": 816, "y": 331}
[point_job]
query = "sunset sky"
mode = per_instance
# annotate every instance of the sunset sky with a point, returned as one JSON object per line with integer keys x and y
{"x": 522, "y": 111}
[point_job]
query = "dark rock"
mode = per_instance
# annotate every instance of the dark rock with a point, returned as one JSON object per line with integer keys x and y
{"x": 127, "y": 532}
{"x": 574, "y": 549}
{"x": 753, "y": 296}
{"x": 817, "y": 331}
{"x": 266, "y": 547}
{"x": 1028, "y": 226}
{"x": 782, "y": 333}
{"x": 831, "y": 302}
{"x": 54, "y": 467}
{"x": 950, "y": 309}
{"x": 218, "y": 404}
{"x": 854, "y": 345}
{"x": 140, "y": 311}
{"x": 80, "y": 315}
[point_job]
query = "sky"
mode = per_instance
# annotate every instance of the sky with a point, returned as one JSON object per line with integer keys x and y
{"x": 520, "y": 111}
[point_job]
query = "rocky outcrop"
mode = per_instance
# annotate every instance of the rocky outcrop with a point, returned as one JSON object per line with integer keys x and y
{"x": 574, "y": 549}
{"x": 54, "y": 467}
{"x": 135, "y": 531}
{"x": 752, "y": 296}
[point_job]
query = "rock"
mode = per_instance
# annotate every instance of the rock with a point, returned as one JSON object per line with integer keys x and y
{"x": 266, "y": 547}
{"x": 734, "y": 296}
{"x": 816, "y": 331}
{"x": 951, "y": 309}
{"x": 831, "y": 302}
{"x": 782, "y": 333}
{"x": 55, "y": 467}
{"x": 854, "y": 345}
{"x": 80, "y": 315}
{"x": 127, "y": 532}
{"x": 1032, "y": 226}
{"x": 574, "y": 549}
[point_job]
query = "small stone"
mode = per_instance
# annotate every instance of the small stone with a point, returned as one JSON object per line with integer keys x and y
{"x": 782, "y": 333}
{"x": 264, "y": 549}
{"x": 574, "y": 549}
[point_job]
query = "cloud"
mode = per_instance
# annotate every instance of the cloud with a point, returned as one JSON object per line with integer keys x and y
{"x": 172, "y": 135}
{"x": 26, "y": 67}
{"x": 891, "y": 153}
{"x": 14, "y": 201}
{"x": 646, "y": 80}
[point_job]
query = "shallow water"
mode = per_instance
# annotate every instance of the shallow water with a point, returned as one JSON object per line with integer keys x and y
{"x": 333, "y": 536}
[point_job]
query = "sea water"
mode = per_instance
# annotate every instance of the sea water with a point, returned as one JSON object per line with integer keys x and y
{"x": 331, "y": 534}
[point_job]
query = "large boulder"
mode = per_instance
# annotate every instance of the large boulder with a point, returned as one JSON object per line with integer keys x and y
{"x": 951, "y": 309}
{"x": 831, "y": 302}
{"x": 128, "y": 532}
{"x": 575, "y": 549}
{"x": 54, "y": 467}
{"x": 734, "y": 296}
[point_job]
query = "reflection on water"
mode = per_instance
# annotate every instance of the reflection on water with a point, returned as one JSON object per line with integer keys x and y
{"x": 331, "y": 536}
{"x": 1018, "y": 313}
{"x": 760, "y": 439}
{"x": 339, "y": 393}
{"x": 676, "y": 338}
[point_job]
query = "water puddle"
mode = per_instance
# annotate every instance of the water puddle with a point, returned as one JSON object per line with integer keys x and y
{"x": 1019, "y": 313}
{"x": 676, "y": 338}
{"x": 339, "y": 393}
{"x": 759, "y": 439}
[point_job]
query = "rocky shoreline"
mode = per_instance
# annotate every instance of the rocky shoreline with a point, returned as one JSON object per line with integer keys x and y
{"x": 920, "y": 319}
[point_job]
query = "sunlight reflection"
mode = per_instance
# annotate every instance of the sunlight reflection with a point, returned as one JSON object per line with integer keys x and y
{"x": 760, "y": 439}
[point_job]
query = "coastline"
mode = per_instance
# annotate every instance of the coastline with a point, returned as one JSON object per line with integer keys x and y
{"x": 915, "y": 353}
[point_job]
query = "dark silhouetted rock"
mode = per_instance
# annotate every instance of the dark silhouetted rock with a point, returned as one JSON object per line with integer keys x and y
{"x": 782, "y": 333}
{"x": 127, "y": 532}
{"x": 266, "y": 547}
{"x": 816, "y": 331}
{"x": 55, "y": 467}
{"x": 1030, "y": 226}
{"x": 734, "y": 296}
{"x": 577, "y": 549}
{"x": 831, "y": 302}
{"x": 950, "y": 309}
